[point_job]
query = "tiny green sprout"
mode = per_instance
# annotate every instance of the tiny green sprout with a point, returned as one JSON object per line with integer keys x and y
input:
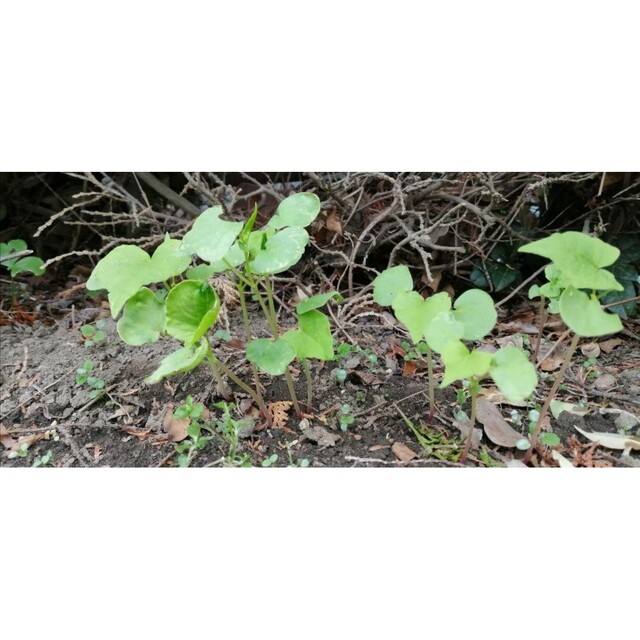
{"x": 270, "y": 461}
{"x": 93, "y": 335}
{"x": 44, "y": 460}
{"x": 21, "y": 452}
{"x": 340, "y": 375}
{"x": 345, "y": 418}
{"x": 577, "y": 280}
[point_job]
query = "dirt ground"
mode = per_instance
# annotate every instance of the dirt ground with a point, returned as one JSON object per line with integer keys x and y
{"x": 130, "y": 424}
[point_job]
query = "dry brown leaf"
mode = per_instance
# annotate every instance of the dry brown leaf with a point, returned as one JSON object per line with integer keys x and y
{"x": 279, "y": 412}
{"x": 561, "y": 460}
{"x": 367, "y": 378}
{"x": 378, "y": 447}
{"x": 514, "y": 340}
{"x": 176, "y": 428}
{"x": 402, "y": 452}
{"x": 319, "y": 435}
{"x": 552, "y": 363}
{"x": 333, "y": 224}
{"x": 609, "y": 345}
{"x": 590, "y": 350}
{"x": 495, "y": 426}
{"x": 6, "y": 439}
{"x": 410, "y": 367}
{"x": 518, "y": 327}
{"x": 492, "y": 394}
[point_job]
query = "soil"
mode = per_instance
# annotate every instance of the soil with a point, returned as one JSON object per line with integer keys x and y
{"x": 130, "y": 423}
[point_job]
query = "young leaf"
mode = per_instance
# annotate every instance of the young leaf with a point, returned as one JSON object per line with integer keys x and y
{"x": 475, "y": 310}
{"x": 416, "y": 312}
{"x": 514, "y": 374}
{"x": 297, "y": 210}
{"x": 31, "y": 264}
{"x": 579, "y": 257}
{"x": 272, "y": 356}
{"x": 179, "y": 361}
{"x": 584, "y": 315}
{"x": 313, "y": 339}
{"x": 192, "y": 307}
{"x": 128, "y": 267}
{"x": 461, "y": 364}
{"x": 13, "y": 246}
{"x": 391, "y": 282}
{"x": 281, "y": 251}
{"x": 317, "y": 301}
{"x": 210, "y": 237}
{"x": 143, "y": 318}
{"x": 442, "y": 330}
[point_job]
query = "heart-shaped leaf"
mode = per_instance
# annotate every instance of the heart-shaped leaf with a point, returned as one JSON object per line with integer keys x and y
{"x": 179, "y": 361}
{"x": 416, "y": 312}
{"x": 584, "y": 315}
{"x": 281, "y": 251}
{"x": 443, "y": 329}
{"x": 30, "y": 264}
{"x": 297, "y": 210}
{"x": 313, "y": 339}
{"x": 477, "y": 313}
{"x": 272, "y": 356}
{"x": 192, "y": 308}
{"x": 128, "y": 267}
{"x": 143, "y": 318}
{"x": 390, "y": 282}
{"x": 514, "y": 373}
{"x": 210, "y": 237}
{"x": 580, "y": 258}
{"x": 462, "y": 364}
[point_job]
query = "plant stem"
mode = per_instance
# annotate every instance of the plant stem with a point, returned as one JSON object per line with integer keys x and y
{"x": 222, "y": 385}
{"x": 543, "y": 319}
{"x": 473, "y": 388}
{"x": 432, "y": 400}
{"x": 307, "y": 375}
{"x": 556, "y": 384}
{"x": 245, "y": 387}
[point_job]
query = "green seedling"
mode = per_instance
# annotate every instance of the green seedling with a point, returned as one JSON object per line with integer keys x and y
{"x": 444, "y": 327}
{"x": 162, "y": 295}
{"x": 93, "y": 335}
{"x": 340, "y": 375}
{"x": 198, "y": 433}
{"x": 231, "y": 431}
{"x": 577, "y": 280}
{"x": 12, "y": 256}
{"x": 21, "y": 452}
{"x": 44, "y": 460}
{"x": 84, "y": 377}
{"x": 270, "y": 461}
{"x": 434, "y": 444}
{"x": 345, "y": 417}
{"x": 292, "y": 463}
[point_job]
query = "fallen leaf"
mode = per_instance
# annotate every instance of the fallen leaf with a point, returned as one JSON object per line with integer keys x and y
{"x": 367, "y": 378}
{"x": 494, "y": 395}
{"x": 378, "y": 447}
{"x": 561, "y": 460}
{"x": 410, "y": 367}
{"x": 517, "y": 464}
{"x": 514, "y": 340}
{"x": 279, "y": 412}
{"x": 464, "y": 426}
{"x": 495, "y": 426}
{"x": 176, "y": 428}
{"x": 590, "y": 350}
{"x": 319, "y": 435}
{"x": 402, "y": 452}
{"x": 551, "y": 363}
{"x": 557, "y": 407}
{"x": 333, "y": 224}
{"x": 605, "y": 381}
{"x": 6, "y": 439}
{"x": 612, "y": 440}
{"x": 609, "y": 345}
{"x": 625, "y": 420}
{"x": 518, "y": 327}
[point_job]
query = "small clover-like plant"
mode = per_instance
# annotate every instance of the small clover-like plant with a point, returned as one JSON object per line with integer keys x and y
{"x": 12, "y": 256}
{"x": 93, "y": 335}
{"x": 84, "y": 376}
{"x": 577, "y": 281}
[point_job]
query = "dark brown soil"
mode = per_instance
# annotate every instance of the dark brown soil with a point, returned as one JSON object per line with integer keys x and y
{"x": 126, "y": 427}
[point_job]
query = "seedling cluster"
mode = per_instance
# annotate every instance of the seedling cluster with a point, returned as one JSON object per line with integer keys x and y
{"x": 167, "y": 294}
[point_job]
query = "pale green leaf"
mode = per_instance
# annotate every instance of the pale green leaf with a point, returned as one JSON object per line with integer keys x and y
{"x": 297, "y": 210}
{"x": 271, "y": 356}
{"x": 313, "y": 339}
{"x": 210, "y": 237}
{"x": 143, "y": 318}
{"x": 390, "y": 282}
{"x": 513, "y": 373}
{"x": 585, "y": 316}
{"x": 462, "y": 364}
{"x": 179, "y": 361}
{"x": 443, "y": 329}
{"x": 477, "y": 313}
{"x": 416, "y": 312}
{"x": 317, "y": 301}
{"x": 281, "y": 251}
{"x": 192, "y": 307}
